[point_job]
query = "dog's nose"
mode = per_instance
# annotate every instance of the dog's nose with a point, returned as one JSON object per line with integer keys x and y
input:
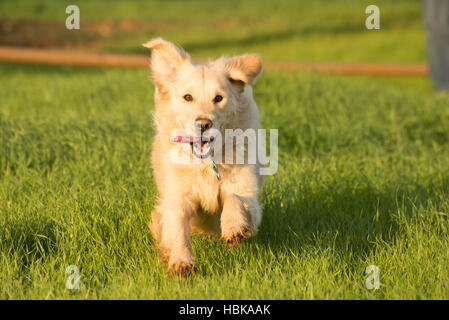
{"x": 203, "y": 124}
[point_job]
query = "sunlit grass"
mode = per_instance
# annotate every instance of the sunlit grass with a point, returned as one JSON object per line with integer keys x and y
{"x": 363, "y": 179}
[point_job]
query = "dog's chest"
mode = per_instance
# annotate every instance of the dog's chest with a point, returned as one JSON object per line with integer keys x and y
{"x": 206, "y": 190}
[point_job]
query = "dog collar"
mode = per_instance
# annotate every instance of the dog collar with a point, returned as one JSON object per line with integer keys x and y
{"x": 214, "y": 167}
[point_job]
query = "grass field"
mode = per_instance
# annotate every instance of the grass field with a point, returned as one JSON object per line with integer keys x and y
{"x": 297, "y": 30}
{"x": 363, "y": 173}
{"x": 363, "y": 180}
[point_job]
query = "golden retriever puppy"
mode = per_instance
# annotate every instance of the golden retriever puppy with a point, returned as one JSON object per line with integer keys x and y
{"x": 202, "y": 191}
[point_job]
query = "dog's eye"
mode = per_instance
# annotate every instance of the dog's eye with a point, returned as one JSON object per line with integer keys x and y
{"x": 188, "y": 97}
{"x": 218, "y": 98}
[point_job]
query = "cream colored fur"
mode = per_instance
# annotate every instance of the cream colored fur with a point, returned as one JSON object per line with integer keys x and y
{"x": 191, "y": 198}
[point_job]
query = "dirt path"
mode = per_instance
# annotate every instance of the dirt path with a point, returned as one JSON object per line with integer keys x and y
{"x": 71, "y": 57}
{"x": 80, "y": 58}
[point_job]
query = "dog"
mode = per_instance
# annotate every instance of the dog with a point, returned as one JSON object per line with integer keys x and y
{"x": 199, "y": 196}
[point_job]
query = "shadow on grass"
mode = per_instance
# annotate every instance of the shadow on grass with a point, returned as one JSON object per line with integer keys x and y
{"x": 343, "y": 218}
{"x": 262, "y": 38}
{"x": 348, "y": 221}
{"x": 32, "y": 240}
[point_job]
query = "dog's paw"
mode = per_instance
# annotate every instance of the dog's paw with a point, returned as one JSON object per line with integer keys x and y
{"x": 235, "y": 238}
{"x": 182, "y": 268}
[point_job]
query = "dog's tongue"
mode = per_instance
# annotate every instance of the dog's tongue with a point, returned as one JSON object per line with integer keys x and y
{"x": 185, "y": 139}
{"x": 179, "y": 136}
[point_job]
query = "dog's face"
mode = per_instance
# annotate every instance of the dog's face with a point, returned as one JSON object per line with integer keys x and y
{"x": 199, "y": 100}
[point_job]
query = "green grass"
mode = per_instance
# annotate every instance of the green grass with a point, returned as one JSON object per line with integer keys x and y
{"x": 301, "y": 30}
{"x": 363, "y": 179}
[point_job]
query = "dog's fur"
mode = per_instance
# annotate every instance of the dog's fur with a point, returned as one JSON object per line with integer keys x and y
{"x": 191, "y": 198}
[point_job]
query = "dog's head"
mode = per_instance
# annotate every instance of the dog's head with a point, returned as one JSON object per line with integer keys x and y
{"x": 199, "y": 98}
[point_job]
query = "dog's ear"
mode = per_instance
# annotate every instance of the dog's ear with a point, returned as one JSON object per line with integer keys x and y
{"x": 244, "y": 69}
{"x": 167, "y": 60}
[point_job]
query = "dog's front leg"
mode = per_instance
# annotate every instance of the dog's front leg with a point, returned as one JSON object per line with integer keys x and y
{"x": 241, "y": 213}
{"x": 175, "y": 240}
